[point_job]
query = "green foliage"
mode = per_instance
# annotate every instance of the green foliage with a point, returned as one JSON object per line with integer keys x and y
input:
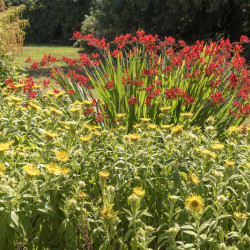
{"x": 110, "y": 190}
{"x": 52, "y": 21}
{"x": 188, "y": 20}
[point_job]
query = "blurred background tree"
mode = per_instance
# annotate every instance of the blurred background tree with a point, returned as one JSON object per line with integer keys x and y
{"x": 190, "y": 20}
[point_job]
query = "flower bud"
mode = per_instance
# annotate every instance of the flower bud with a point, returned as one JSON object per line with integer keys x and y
{"x": 82, "y": 184}
{"x": 111, "y": 189}
{"x": 72, "y": 203}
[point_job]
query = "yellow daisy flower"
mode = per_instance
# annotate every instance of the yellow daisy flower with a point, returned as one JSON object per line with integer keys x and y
{"x": 35, "y": 107}
{"x": 166, "y": 127}
{"x": 2, "y": 168}
{"x": 15, "y": 99}
{"x": 186, "y": 115}
{"x": 208, "y": 153}
{"x": 107, "y": 212}
{"x": 5, "y": 145}
{"x": 193, "y": 178}
{"x": 87, "y": 102}
{"x": 55, "y": 111}
{"x": 78, "y": 103}
{"x": 61, "y": 155}
{"x": 144, "y": 120}
{"x": 134, "y": 137}
{"x": 177, "y": 129}
{"x": 121, "y": 116}
{"x": 165, "y": 109}
{"x": 75, "y": 109}
{"x": 194, "y": 203}
{"x": 152, "y": 126}
{"x": 55, "y": 169}
{"x": 240, "y": 216}
{"x": 31, "y": 171}
{"x": 136, "y": 125}
{"x": 139, "y": 191}
{"x": 217, "y": 147}
{"x": 104, "y": 174}
{"x": 50, "y": 135}
{"x": 59, "y": 94}
{"x": 86, "y": 138}
{"x": 82, "y": 195}
{"x": 229, "y": 163}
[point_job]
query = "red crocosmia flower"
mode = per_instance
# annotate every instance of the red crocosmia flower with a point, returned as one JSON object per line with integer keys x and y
{"x": 28, "y": 60}
{"x": 99, "y": 118}
{"x": 244, "y": 39}
{"x": 56, "y": 91}
{"x": 126, "y": 81}
{"x": 132, "y": 101}
{"x": 182, "y": 43}
{"x": 77, "y": 35}
{"x": 94, "y": 102}
{"x": 9, "y": 80}
{"x": 158, "y": 82}
{"x": 117, "y": 53}
{"x": 88, "y": 111}
{"x": 46, "y": 82}
{"x": 216, "y": 98}
{"x": 214, "y": 83}
{"x": 169, "y": 40}
{"x": 110, "y": 84}
{"x": 96, "y": 55}
{"x": 233, "y": 81}
{"x": 70, "y": 92}
{"x": 189, "y": 100}
{"x": 34, "y": 66}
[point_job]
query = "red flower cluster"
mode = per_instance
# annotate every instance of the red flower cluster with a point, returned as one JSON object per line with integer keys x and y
{"x": 132, "y": 101}
{"x": 110, "y": 84}
{"x": 216, "y": 98}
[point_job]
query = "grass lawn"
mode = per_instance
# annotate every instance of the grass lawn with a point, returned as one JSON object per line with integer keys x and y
{"x": 36, "y": 53}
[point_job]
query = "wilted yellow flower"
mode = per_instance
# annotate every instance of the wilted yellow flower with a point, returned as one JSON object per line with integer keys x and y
{"x": 193, "y": 178}
{"x": 177, "y": 129}
{"x": 218, "y": 174}
{"x": 5, "y": 145}
{"x": 240, "y": 216}
{"x": 107, "y": 212}
{"x": 75, "y": 109}
{"x": 134, "y": 137}
{"x": 121, "y": 116}
{"x": 194, "y": 203}
{"x": 139, "y": 191}
{"x": 31, "y": 171}
{"x": 217, "y": 147}
{"x": 144, "y": 120}
{"x": 86, "y": 138}
{"x": 55, "y": 169}
{"x": 61, "y": 155}
{"x": 50, "y": 135}
{"x": 165, "y": 109}
{"x": 82, "y": 195}
{"x": 152, "y": 126}
{"x": 198, "y": 150}
{"x": 229, "y": 163}
{"x": 166, "y": 127}
{"x": 55, "y": 111}
{"x": 2, "y": 168}
{"x": 104, "y": 174}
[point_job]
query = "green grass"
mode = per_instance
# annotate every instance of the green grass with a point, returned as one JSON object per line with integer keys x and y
{"x": 36, "y": 52}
